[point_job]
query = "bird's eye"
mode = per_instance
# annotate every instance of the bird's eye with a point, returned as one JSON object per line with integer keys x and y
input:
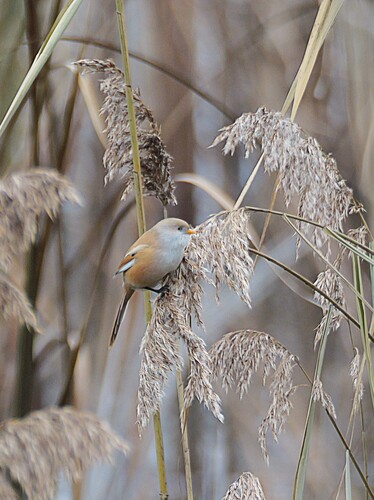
{"x": 180, "y": 228}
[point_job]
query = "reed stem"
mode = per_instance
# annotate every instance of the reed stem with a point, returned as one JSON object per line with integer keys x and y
{"x": 141, "y": 224}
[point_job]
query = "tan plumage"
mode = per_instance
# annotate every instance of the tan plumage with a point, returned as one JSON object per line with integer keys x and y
{"x": 158, "y": 252}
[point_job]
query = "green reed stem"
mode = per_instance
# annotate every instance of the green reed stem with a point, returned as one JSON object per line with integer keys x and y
{"x": 141, "y": 223}
{"x": 307, "y": 438}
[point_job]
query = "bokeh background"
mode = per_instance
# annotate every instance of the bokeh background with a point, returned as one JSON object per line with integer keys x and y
{"x": 199, "y": 64}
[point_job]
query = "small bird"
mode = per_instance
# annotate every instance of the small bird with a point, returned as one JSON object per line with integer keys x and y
{"x": 158, "y": 252}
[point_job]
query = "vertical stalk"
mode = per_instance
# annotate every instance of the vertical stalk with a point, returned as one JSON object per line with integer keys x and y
{"x": 25, "y": 375}
{"x": 307, "y": 438}
{"x": 185, "y": 445}
{"x": 25, "y": 369}
{"x": 141, "y": 225}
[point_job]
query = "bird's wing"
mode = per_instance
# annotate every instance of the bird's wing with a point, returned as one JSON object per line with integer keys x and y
{"x": 129, "y": 259}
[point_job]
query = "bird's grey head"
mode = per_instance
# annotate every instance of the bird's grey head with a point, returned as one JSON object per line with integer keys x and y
{"x": 176, "y": 231}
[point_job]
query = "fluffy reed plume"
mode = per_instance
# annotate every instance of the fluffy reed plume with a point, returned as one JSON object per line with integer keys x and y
{"x": 160, "y": 349}
{"x": 24, "y": 197}
{"x": 358, "y": 386}
{"x": 223, "y": 247}
{"x": 218, "y": 254}
{"x": 319, "y": 394}
{"x": 246, "y": 487}
{"x": 14, "y": 304}
{"x": 154, "y": 159}
{"x": 238, "y": 355}
{"x": 304, "y": 169}
{"x": 34, "y": 451}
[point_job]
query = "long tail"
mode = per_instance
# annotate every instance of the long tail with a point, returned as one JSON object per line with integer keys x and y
{"x": 120, "y": 315}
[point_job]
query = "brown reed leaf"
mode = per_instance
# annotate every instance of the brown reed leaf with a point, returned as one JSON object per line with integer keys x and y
{"x": 155, "y": 162}
{"x": 304, "y": 169}
{"x": 35, "y": 450}
{"x": 24, "y": 197}
{"x": 14, "y": 304}
{"x": 246, "y": 487}
{"x": 237, "y": 355}
{"x": 319, "y": 394}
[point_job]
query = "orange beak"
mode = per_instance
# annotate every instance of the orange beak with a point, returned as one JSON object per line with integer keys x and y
{"x": 191, "y": 231}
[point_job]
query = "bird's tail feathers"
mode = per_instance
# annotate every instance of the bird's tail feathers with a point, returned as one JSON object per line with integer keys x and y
{"x": 120, "y": 315}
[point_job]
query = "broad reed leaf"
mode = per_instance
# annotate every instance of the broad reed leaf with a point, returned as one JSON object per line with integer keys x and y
{"x": 326, "y": 16}
{"x": 59, "y": 26}
{"x": 363, "y": 322}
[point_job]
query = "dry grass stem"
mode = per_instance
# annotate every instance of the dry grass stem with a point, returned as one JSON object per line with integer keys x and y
{"x": 14, "y": 304}
{"x": 155, "y": 161}
{"x": 319, "y": 394}
{"x": 304, "y": 169}
{"x": 246, "y": 487}
{"x": 34, "y": 451}
{"x": 24, "y": 197}
{"x": 238, "y": 355}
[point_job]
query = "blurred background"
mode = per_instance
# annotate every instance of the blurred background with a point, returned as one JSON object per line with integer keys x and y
{"x": 199, "y": 64}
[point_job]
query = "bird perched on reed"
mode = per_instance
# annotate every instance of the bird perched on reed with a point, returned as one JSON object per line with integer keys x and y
{"x": 158, "y": 252}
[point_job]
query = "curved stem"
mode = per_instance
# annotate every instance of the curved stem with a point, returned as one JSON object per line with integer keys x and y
{"x": 308, "y": 283}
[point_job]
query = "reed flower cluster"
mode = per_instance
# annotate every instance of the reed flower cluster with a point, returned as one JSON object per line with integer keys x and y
{"x": 155, "y": 161}
{"x": 36, "y": 450}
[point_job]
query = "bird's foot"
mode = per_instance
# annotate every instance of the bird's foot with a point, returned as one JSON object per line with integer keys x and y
{"x": 161, "y": 290}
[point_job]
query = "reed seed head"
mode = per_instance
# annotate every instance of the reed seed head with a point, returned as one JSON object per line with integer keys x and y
{"x": 246, "y": 487}
{"x": 155, "y": 162}
{"x": 35, "y": 450}
{"x": 238, "y": 355}
{"x": 304, "y": 169}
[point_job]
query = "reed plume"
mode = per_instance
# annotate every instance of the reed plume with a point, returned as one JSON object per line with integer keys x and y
{"x": 24, "y": 197}
{"x": 304, "y": 169}
{"x": 155, "y": 161}
{"x": 34, "y": 451}
{"x": 219, "y": 254}
{"x": 246, "y": 487}
{"x": 238, "y": 355}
